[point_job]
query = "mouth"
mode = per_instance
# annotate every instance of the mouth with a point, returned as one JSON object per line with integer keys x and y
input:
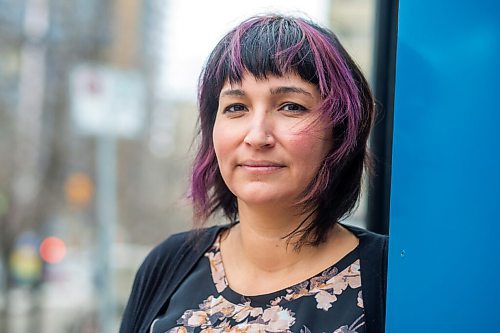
{"x": 261, "y": 166}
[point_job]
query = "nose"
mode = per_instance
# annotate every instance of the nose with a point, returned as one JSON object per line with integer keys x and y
{"x": 260, "y": 132}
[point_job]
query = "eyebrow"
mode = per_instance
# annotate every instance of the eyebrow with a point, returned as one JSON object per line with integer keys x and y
{"x": 232, "y": 92}
{"x": 288, "y": 90}
{"x": 274, "y": 91}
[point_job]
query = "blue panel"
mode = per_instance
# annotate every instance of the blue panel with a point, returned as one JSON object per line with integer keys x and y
{"x": 444, "y": 266}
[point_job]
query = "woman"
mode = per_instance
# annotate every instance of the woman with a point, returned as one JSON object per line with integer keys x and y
{"x": 284, "y": 119}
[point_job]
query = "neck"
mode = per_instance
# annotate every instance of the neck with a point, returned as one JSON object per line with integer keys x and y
{"x": 261, "y": 238}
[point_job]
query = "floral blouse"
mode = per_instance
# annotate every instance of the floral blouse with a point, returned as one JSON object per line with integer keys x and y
{"x": 329, "y": 302}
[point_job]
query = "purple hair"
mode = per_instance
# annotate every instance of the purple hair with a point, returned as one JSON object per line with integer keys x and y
{"x": 278, "y": 45}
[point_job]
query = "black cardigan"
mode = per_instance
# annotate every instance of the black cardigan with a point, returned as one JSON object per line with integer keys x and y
{"x": 170, "y": 262}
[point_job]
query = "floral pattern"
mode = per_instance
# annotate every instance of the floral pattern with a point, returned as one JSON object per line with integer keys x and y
{"x": 217, "y": 314}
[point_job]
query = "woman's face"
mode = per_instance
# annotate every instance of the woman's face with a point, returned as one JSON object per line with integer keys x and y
{"x": 267, "y": 142}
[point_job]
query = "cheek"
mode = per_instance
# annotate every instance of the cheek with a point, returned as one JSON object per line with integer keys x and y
{"x": 310, "y": 147}
{"x": 223, "y": 141}
{"x": 217, "y": 138}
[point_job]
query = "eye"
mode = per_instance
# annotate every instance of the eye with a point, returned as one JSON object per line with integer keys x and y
{"x": 293, "y": 107}
{"x": 234, "y": 108}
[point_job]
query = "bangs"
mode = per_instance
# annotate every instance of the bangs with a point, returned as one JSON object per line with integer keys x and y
{"x": 268, "y": 46}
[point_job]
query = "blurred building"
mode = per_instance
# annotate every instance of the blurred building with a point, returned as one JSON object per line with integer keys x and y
{"x": 41, "y": 149}
{"x": 353, "y": 21}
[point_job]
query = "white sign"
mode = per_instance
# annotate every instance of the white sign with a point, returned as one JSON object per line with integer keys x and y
{"x": 106, "y": 101}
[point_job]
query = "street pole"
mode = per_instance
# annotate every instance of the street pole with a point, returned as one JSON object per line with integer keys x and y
{"x": 106, "y": 216}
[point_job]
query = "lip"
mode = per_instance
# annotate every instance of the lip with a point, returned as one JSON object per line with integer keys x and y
{"x": 260, "y": 163}
{"x": 261, "y": 166}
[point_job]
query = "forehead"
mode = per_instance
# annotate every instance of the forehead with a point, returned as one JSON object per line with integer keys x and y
{"x": 292, "y": 81}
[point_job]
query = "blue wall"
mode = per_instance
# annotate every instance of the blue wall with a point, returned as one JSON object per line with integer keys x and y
{"x": 444, "y": 253}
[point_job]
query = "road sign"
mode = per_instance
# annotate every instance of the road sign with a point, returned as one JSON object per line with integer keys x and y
{"x": 107, "y": 101}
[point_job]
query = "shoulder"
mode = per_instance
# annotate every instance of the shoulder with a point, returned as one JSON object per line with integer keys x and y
{"x": 368, "y": 239}
{"x": 161, "y": 271}
{"x": 373, "y": 256}
{"x": 372, "y": 251}
{"x": 178, "y": 245}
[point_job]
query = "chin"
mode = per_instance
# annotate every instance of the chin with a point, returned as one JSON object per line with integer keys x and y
{"x": 263, "y": 198}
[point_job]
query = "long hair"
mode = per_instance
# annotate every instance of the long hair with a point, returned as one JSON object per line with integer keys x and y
{"x": 278, "y": 45}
